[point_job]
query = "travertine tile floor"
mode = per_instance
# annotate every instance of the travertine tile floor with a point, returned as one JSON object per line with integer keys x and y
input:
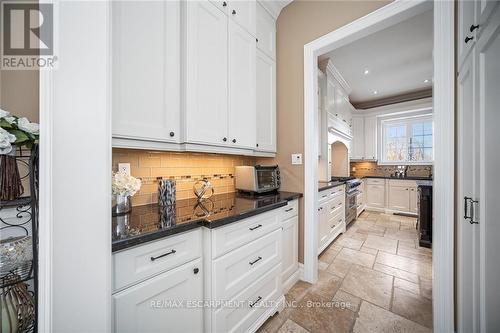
{"x": 373, "y": 278}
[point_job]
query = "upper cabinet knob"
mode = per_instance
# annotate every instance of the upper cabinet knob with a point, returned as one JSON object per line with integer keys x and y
{"x": 257, "y": 144}
{"x": 172, "y": 134}
{"x": 224, "y": 139}
{"x": 234, "y": 140}
{"x": 224, "y": 4}
{"x": 233, "y": 12}
{"x": 468, "y": 39}
{"x": 473, "y": 27}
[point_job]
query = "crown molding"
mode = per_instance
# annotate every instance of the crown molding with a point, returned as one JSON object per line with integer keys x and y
{"x": 406, "y": 97}
{"x": 274, "y": 7}
{"x": 328, "y": 67}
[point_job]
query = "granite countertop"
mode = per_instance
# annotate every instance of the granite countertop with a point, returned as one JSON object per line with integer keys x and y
{"x": 150, "y": 222}
{"x": 323, "y": 185}
{"x": 405, "y": 178}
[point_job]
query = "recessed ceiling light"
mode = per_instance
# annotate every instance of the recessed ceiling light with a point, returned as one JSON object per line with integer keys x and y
{"x": 366, "y": 72}
{"x": 426, "y": 81}
{"x": 375, "y": 92}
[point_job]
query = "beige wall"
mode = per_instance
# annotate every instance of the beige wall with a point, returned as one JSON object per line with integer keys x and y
{"x": 19, "y": 93}
{"x": 340, "y": 160}
{"x": 298, "y": 24}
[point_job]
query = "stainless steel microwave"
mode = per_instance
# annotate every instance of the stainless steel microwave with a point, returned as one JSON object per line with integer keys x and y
{"x": 258, "y": 179}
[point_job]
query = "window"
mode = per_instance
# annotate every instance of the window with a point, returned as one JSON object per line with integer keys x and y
{"x": 408, "y": 141}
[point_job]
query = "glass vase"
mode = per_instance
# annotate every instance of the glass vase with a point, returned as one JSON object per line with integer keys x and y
{"x": 121, "y": 204}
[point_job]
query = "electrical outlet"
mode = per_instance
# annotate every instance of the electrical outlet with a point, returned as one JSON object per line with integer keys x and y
{"x": 124, "y": 168}
{"x": 296, "y": 158}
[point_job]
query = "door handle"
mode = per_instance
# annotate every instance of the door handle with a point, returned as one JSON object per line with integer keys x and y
{"x": 470, "y": 217}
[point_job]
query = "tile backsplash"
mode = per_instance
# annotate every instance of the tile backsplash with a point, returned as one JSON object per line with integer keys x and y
{"x": 184, "y": 168}
{"x": 362, "y": 169}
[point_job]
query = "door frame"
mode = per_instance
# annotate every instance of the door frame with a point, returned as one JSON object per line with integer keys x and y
{"x": 444, "y": 115}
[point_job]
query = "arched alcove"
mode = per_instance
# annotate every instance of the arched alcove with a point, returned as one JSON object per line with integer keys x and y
{"x": 340, "y": 159}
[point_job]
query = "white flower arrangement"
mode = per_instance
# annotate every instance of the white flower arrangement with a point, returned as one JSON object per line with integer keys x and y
{"x": 124, "y": 184}
{"x": 15, "y": 131}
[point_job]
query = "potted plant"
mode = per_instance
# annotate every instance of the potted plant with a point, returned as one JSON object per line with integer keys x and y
{"x": 124, "y": 186}
{"x": 15, "y": 132}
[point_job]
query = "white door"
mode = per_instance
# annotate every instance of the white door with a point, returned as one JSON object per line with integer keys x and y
{"x": 399, "y": 198}
{"x": 488, "y": 182}
{"x": 466, "y": 17}
{"x": 206, "y": 74}
{"x": 146, "y": 71}
{"x": 266, "y": 103}
{"x": 242, "y": 79}
{"x": 371, "y": 138}
{"x": 290, "y": 247}
{"x": 154, "y": 305}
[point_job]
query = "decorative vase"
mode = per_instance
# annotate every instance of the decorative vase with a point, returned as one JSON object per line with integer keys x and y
{"x": 166, "y": 192}
{"x": 18, "y": 309}
{"x": 11, "y": 186}
{"x": 203, "y": 189}
{"x": 121, "y": 204}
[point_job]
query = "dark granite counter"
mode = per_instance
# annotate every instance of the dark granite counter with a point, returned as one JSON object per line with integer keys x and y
{"x": 405, "y": 178}
{"x": 151, "y": 222}
{"x": 326, "y": 185}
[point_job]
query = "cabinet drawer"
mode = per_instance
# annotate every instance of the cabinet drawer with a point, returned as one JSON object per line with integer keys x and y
{"x": 331, "y": 193}
{"x": 335, "y": 208}
{"x": 290, "y": 210}
{"x": 240, "y": 318}
{"x": 336, "y": 220}
{"x": 239, "y": 268}
{"x": 375, "y": 181}
{"x": 227, "y": 238}
{"x": 403, "y": 182}
{"x": 136, "y": 264}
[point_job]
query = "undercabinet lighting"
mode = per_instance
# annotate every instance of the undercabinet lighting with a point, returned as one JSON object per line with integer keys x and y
{"x": 366, "y": 72}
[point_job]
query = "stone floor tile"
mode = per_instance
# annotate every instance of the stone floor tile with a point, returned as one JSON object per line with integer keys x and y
{"x": 412, "y": 307}
{"x": 339, "y": 267}
{"x": 423, "y": 269}
{"x": 396, "y": 272}
{"x": 373, "y": 230}
{"x": 373, "y": 319}
{"x": 370, "y": 285}
{"x": 417, "y": 254}
{"x": 357, "y": 257}
{"x": 322, "y": 265}
{"x": 322, "y": 316}
{"x": 327, "y": 285}
{"x": 292, "y": 327}
{"x": 358, "y": 236}
{"x": 410, "y": 243}
{"x": 407, "y": 285}
{"x": 369, "y": 250}
{"x": 274, "y": 323}
{"x": 347, "y": 300}
{"x": 381, "y": 243}
{"x": 426, "y": 288}
{"x": 401, "y": 234}
{"x": 351, "y": 243}
{"x": 298, "y": 291}
{"x": 387, "y": 223}
{"x": 329, "y": 254}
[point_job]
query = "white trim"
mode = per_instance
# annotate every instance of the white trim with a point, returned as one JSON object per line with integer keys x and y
{"x": 292, "y": 279}
{"x": 382, "y": 18}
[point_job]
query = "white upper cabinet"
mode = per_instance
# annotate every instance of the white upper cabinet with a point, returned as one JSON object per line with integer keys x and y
{"x": 242, "y": 76}
{"x": 243, "y": 13}
{"x": 206, "y": 114}
{"x": 146, "y": 71}
{"x": 466, "y": 38}
{"x": 371, "y": 138}
{"x": 358, "y": 138}
{"x": 266, "y": 103}
{"x": 266, "y": 32}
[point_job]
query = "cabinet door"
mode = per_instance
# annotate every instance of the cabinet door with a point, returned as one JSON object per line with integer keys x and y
{"x": 371, "y": 138}
{"x": 466, "y": 18}
{"x": 243, "y": 13}
{"x": 375, "y": 196}
{"x": 145, "y": 307}
{"x": 206, "y": 87}
{"x": 358, "y": 138}
{"x": 266, "y": 32}
{"x": 242, "y": 77}
{"x": 146, "y": 71}
{"x": 324, "y": 227}
{"x": 290, "y": 247}
{"x": 413, "y": 200}
{"x": 399, "y": 198}
{"x": 266, "y": 103}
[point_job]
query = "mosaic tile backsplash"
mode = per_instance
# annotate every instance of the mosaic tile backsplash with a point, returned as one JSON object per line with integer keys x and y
{"x": 184, "y": 168}
{"x": 362, "y": 169}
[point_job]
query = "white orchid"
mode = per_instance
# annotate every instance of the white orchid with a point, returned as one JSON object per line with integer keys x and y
{"x": 10, "y": 119}
{"x": 25, "y": 125}
{"x": 125, "y": 184}
{"x": 6, "y": 140}
{"x": 3, "y": 114}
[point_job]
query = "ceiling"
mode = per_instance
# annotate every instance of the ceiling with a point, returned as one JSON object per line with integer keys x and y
{"x": 398, "y": 59}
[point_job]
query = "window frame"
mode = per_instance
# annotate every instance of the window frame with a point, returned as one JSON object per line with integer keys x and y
{"x": 407, "y": 121}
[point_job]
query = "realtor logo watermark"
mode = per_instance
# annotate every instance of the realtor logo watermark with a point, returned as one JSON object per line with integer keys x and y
{"x": 27, "y": 36}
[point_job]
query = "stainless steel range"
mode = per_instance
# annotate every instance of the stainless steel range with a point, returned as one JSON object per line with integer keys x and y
{"x": 351, "y": 192}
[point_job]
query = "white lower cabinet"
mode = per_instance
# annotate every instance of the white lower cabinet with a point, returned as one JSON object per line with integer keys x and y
{"x": 331, "y": 211}
{"x": 375, "y": 196}
{"x": 150, "y": 306}
{"x": 290, "y": 247}
{"x": 413, "y": 200}
{"x": 391, "y": 195}
{"x": 399, "y": 198}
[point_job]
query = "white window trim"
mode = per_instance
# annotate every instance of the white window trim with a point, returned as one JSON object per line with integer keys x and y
{"x": 395, "y": 120}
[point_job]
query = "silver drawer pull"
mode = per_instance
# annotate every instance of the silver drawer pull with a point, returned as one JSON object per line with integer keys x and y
{"x": 253, "y": 262}
{"x": 256, "y": 227}
{"x": 289, "y": 209}
{"x": 255, "y": 302}
{"x": 163, "y": 255}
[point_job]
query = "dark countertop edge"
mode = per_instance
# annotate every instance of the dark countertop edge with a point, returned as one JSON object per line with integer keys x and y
{"x": 395, "y": 178}
{"x": 329, "y": 185}
{"x": 119, "y": 245}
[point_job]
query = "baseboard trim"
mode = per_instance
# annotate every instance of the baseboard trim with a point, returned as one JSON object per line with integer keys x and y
{"x": 288, "y": 283}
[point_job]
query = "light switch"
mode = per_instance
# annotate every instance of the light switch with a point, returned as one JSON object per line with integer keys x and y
{"x": 296, "y": 158}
